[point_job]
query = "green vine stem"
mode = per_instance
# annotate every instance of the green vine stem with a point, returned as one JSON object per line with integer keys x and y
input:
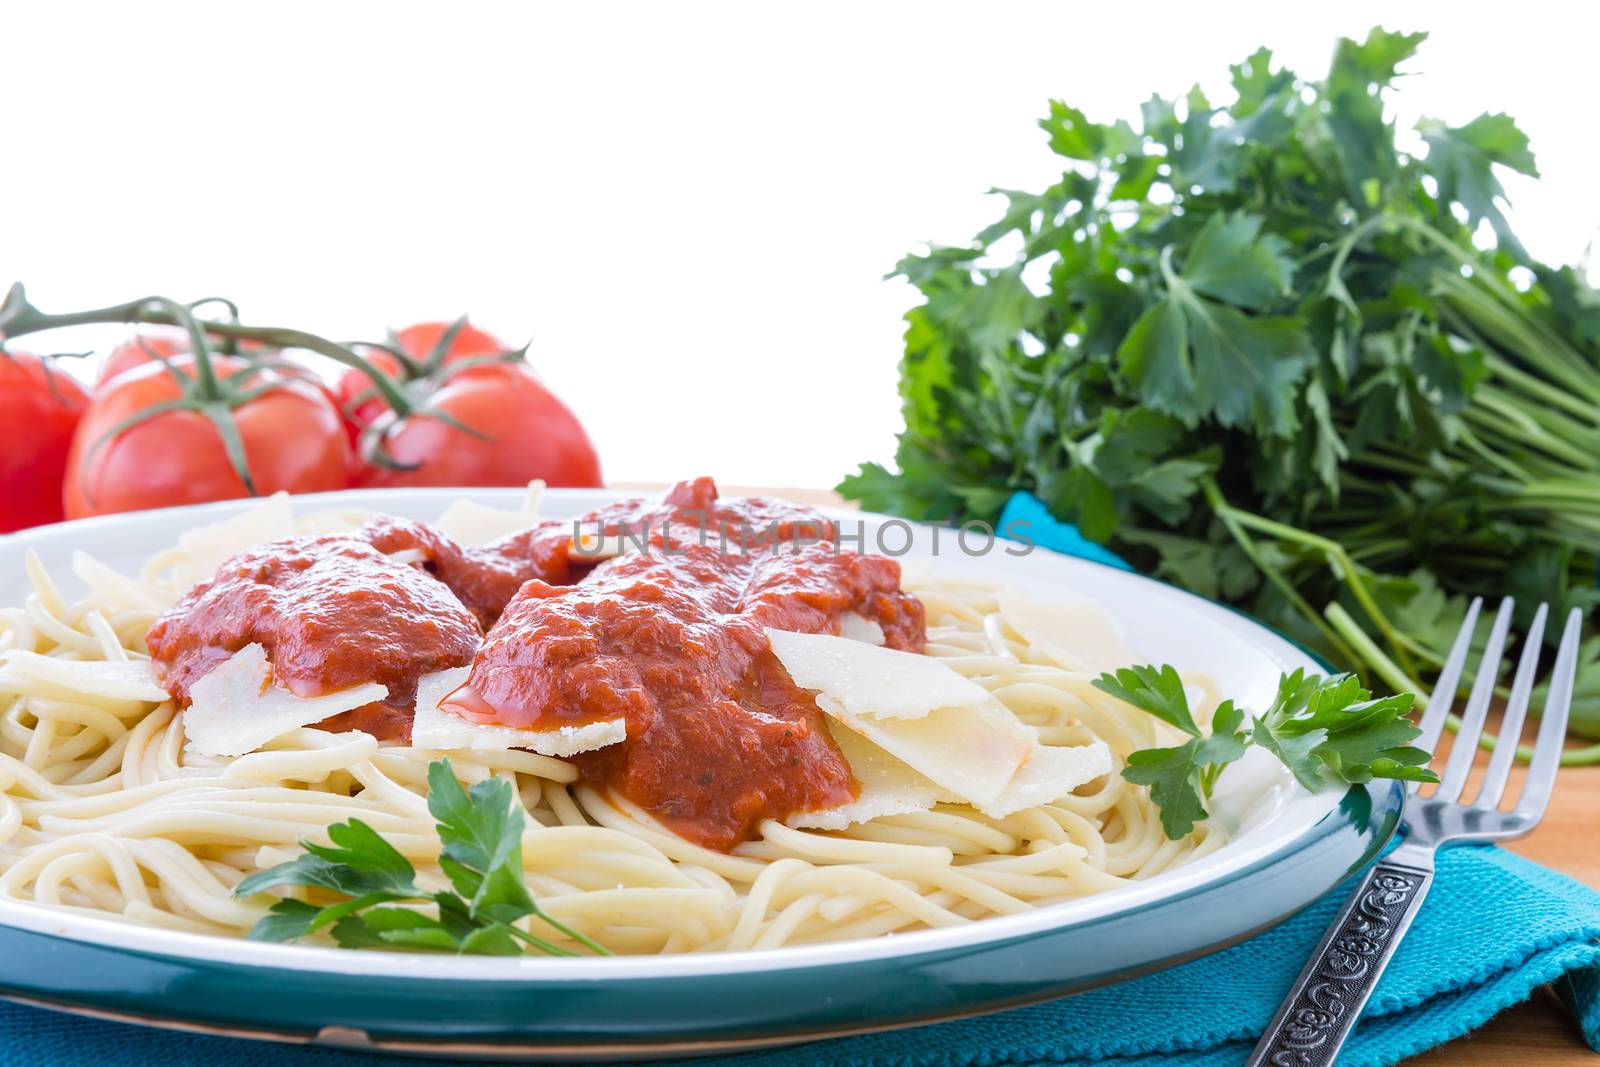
{"x": 19, "y": 317}
{"x": 206, "y": 394}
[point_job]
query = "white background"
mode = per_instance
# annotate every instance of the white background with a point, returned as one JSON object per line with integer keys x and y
{"x": 688, "y": 207}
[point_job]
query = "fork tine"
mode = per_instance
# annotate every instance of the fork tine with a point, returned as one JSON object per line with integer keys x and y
{"x": 1444, "y": 691}
{"x": 1553, "y": 728}
{"x": 1505, "y": 745}
{"x": 1465, "y": 750}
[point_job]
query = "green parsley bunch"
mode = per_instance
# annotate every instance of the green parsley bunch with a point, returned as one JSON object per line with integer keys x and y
{"x": 1269, "y": 355}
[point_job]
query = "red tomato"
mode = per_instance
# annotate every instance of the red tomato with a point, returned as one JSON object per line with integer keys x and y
{"x": 293, "y": 439}
{"x": 141, "y": 349}
{"x": 361, "y": 407}
{"x": 154, "y": 347}
{"x": 531, "y": 434}
{"x": 36, "y": 424}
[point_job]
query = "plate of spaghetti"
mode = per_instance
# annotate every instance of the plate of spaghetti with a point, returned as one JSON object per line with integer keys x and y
{"x": 564, "y": 773}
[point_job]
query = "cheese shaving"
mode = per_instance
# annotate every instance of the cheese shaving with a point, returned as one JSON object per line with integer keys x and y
{"x": 888, "y": 787}
{"x": 883, "y": 683}
{"x": 595, "y": 547}
{"x": 236, "y": 709}
{"x": 1078, "y": 635}
{"x": 204, "y": 548}
{"x": 973, "y": 751}
{"x": 858, "y": 627}
{"x": 470, "y": 523}
{"x": 435, "y": 728}
{"x": 1050, "y": 773}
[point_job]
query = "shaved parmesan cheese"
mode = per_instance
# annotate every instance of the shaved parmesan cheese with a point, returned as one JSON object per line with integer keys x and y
{"x": 858, "y": 627}
{"x": 1050, "y": 773}
{"x": 593, "y": 546}
{"x": 436, "y": 728}
{"x": 891, "y": 787}
{"x": 470, "y": 523}
{"x": 111, "y": 679}
{"x": 467, "y": 522}
{"x": 235, "y": 709}
{"x": 408, "y": 557}
{"x": 973, "y": 751}
{"x": 206, "y": 547}
{"x": 1079, "y": 635}
{"x": 884, "y": 683}
{"x": 888, "y": 787}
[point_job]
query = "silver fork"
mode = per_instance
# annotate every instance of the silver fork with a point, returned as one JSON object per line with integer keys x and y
{"x": 1322, "y": 1008}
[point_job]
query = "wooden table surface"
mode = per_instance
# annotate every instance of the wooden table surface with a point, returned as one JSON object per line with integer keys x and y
{"x": 1538, "y": 1031}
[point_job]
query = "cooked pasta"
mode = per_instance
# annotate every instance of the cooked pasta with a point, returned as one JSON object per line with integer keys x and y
{"x": 103, "y": 810}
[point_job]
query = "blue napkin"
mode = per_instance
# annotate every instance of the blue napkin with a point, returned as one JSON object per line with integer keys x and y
{"x": 1025, "y": 518}
{"x": 1495, "y": 927}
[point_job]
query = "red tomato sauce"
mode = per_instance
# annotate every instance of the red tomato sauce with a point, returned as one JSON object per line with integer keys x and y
{"x": 673, "y": 641}
{"x": 670, "y": 639}
{"x": 483, "y": 578}
{"x": 331, "y": 612}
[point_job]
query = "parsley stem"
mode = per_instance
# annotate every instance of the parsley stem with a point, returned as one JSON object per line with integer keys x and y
{"x": 582, "y": 939}
{"x": 1400, "y": 683}
{"x": 1253, "y": 551}
{"x": 1541, "y": 390}
{"x": 1344, "y": 569}
{"x": 1384, "y": 667}
{"x": 537, "y": 942}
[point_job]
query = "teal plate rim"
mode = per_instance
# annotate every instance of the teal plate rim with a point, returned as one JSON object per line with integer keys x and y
{"x": 694, "y": 1014}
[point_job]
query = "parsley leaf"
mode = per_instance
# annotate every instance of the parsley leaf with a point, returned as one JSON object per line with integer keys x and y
{"x": 480, "y": 832}
{"x": 477, "y": 827}
{"x": 1321, "y": 729}
{"x": 1195, "y": 353}
{"x": 1157, "y": 690}
{"x": 358, "y": 864}
{"x": 1180, "y": 779}
{"x": 1463, "y": 158}
{"x": 285, "y": 921}
{"x": 1231, "y": 260}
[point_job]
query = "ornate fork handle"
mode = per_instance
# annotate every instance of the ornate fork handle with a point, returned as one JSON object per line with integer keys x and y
{"x": 1327, "y": 999}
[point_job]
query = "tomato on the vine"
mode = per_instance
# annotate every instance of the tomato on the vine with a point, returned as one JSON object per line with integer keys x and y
{"x": 39, "y": 408}
{"x": 288, "y": 436}
{"x": 511, "y": 430}
{"x": 138, "y": 350}
{"x": 158, "y": 347}
{"x": 428, "y": 347}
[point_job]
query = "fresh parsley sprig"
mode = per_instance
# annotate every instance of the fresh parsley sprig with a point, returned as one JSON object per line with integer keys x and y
{"x": 481, "y": 834}
{"x": 1321, "y": 728}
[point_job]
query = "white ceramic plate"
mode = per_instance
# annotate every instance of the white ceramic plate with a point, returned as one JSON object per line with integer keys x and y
{"x": 1292, "y": 848}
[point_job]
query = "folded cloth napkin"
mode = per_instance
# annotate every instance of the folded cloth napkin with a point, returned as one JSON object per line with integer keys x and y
{"x": 1025, "y": 518}
{"x": 1494, "y": 928}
